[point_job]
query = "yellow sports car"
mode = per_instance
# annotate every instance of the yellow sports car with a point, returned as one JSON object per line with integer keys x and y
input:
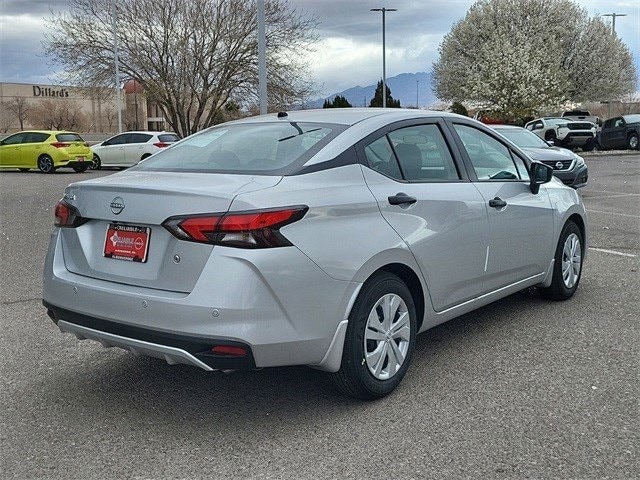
{"x": 45, "y": 150}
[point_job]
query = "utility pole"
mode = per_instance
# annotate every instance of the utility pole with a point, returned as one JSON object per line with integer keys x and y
{"x": 417, "y": 83}
{"x": 384, "y": 53}
{"x": 115, "y": 57}
{"x": 262, "y": 58}
{"x": 613, "y": 19}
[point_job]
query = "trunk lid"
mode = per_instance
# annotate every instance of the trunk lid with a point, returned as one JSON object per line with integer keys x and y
{"x": 146, "y": 199}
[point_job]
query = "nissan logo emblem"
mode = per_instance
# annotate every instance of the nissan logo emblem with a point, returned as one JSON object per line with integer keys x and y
{"x": 117, "y": 205}
{"x": 559, "y": 166}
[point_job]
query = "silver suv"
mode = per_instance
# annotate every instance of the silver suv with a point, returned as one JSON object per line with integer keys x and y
{"x": 324, "y": 238}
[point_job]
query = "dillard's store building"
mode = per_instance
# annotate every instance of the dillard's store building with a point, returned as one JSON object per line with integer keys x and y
{"x": 97, "y": 106}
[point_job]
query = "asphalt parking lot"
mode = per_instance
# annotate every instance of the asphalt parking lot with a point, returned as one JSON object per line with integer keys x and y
{"x": 522, "y": 388}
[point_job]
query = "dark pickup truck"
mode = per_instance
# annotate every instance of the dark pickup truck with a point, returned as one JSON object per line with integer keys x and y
{"x": 620, "y": 132}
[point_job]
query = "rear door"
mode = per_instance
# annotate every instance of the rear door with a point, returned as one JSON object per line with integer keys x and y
{"x": 428, "y": 199}
{"x": 521, "y": 242}
{"x": 134, "y": 148}
{"x": 32, "y": 147}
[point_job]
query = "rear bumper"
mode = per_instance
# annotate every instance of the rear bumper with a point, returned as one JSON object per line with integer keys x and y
{"x": 173, "y": 348}
{"x": 282, "y": 308}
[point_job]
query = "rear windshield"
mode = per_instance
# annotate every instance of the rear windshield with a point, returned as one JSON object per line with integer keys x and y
{"x": 251, "y": 148}
{"x": 168, "y": 137}
{"x": 576, "y": 113}
{"x": 69, "y": 137}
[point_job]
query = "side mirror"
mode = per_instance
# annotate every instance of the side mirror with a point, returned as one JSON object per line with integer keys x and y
{"x": 551, "y": 143}
{"x": 539, "y": 173}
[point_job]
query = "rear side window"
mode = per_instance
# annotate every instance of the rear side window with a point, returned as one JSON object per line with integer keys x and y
{"x": 36, "y": 137}
{"x": 139, "y": 138}
{"x": 423, "y": 154}
{"x": 381, "y": 159}
{"x": 168, "y": 137}
{"x": 491, "y": 159}
{"x": 252, "y": 148}
{"x": 69, "y": 137}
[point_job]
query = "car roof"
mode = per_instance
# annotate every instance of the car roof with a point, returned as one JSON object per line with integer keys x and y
{"x": 49, "y": 132}
{"x": 343, "y": 116}
{"x": 505, "y": 127}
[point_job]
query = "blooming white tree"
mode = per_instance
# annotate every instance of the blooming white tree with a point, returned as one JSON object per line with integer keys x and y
{"x": 520, "y": 57}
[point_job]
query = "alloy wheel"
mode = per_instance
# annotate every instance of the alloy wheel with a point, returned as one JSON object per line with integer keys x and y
{"x": 386, "y": 336}
{"x": 571, "y": 260}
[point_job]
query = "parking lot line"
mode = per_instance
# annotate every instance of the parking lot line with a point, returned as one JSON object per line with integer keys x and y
{"x": 613, "y": 252}
{"x": 614, "y": 213}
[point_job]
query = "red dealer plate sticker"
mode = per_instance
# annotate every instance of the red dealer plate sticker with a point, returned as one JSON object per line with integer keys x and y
{"x": 127, "y": 242}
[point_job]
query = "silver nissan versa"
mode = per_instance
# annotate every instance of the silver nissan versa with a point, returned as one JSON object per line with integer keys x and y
{"x": 325, "y": 238}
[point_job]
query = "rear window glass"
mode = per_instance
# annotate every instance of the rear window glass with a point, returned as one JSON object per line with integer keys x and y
{"x": 168, "y": 137}
{"x": 251, "y": 148}
{"x": 577, "y": 113}
{"x": 69, "y": 137}
{"x": 139, "y": 138}
{"x": 35, "y": 137}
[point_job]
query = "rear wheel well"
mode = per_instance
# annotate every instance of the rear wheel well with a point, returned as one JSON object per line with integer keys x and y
{"x": 412, "y": 281}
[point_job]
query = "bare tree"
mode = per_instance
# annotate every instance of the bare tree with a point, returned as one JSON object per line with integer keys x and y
{"x": 19, "y": 108}
{"x": 6, "y": 118}
{"x": 58, "y": 115}
{"x": 191, "y": 57}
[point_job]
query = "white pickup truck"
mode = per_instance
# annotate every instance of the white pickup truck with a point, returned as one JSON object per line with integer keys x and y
{"x": 583, "y": 115}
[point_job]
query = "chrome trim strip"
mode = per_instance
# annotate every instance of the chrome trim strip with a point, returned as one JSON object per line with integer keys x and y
{"x": 171, "y": 355}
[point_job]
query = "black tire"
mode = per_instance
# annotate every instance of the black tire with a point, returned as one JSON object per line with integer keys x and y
{"x": 96, "y": 164}
{"x": 589, "y": 146}
{"x": 354, "y": 377}
{"x": 80, "y": 168}
{"x": 24, "y": 169}
{"x": 45, "y": 164}
{"x": 632, "y": 142}
{"x": 558, "y": 290}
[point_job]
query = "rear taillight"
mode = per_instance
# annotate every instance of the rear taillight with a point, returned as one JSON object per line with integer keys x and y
{"x": 60, "y": 144}
{"x": 67, "y": 216}
{"x": 253, "y": 229}
{"x": 161, "y": 144}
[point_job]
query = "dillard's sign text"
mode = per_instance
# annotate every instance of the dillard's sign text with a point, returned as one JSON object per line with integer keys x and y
{"x": 49, "y": 92}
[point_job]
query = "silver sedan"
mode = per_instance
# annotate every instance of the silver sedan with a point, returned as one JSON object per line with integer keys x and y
{"x": 324, "y": 238}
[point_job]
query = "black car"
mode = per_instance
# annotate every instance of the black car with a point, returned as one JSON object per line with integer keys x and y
{"x": 567, "y": 166}
{"x": 620, "y": 132}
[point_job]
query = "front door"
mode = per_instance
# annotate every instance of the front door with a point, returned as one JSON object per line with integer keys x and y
{"x": 10, "y": 150}
{"x": 111, "y": 152}
{"x": 425, "y": 197}
{"x": 520, "y": 222}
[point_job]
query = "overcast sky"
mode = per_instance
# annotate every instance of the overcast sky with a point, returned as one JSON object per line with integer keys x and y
{"x": 349, "y": 50}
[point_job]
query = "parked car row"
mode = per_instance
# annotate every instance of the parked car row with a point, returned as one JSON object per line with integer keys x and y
{"x": 48, "y": 150}
{"x": 580, "y": 129}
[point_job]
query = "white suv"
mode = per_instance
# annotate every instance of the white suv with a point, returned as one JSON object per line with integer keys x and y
{"x": 127, "y": 149}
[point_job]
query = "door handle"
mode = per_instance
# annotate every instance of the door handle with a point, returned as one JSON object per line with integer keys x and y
{"x": 401, "y": 199}
{"x": 497, "y": 203}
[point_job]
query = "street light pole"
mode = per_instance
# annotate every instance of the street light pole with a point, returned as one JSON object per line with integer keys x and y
{"x": 417, "y": 83}
{"x": 613, "y": 19}
{"x": 262, "y": 58}
{"x": 115, "y": 58}
{"x": 384, "y": 60}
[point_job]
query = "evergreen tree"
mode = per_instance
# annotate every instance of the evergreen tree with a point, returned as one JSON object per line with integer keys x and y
{"x": 376, "y": 101}
{"x": 457, "y": 107}
{"x": 338, "y": 102}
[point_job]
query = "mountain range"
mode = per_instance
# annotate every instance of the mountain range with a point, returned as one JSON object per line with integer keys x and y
{"x": 403, "y": 87}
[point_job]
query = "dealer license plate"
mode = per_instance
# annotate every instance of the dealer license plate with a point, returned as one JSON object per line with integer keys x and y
{"x": 127, "y": 242}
